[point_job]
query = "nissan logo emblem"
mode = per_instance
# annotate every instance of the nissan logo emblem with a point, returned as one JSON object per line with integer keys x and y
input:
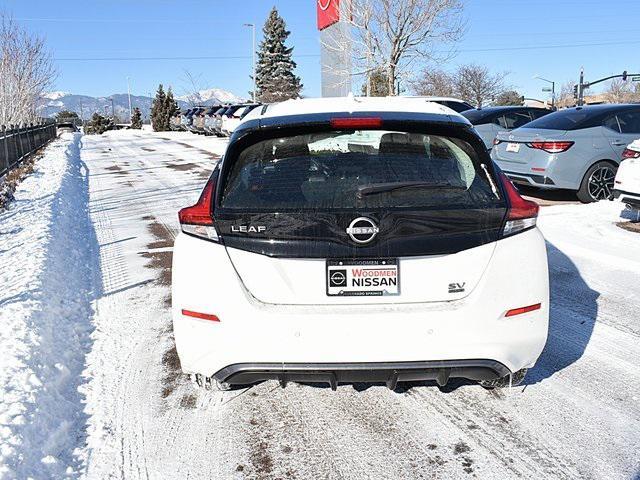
{"x": 362, "y": 230}
{"x": 338, "y": 278}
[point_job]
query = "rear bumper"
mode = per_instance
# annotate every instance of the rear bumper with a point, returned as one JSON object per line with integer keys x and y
{"x": 539, "y": 181}
{"x": 542, "y": 170}
{"x": 627, "y": 197}
{"x": 470, "y": 330}
{"x": 389, "y": 373}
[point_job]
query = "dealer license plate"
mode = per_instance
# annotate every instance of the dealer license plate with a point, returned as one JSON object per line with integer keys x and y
{"x": 513, "y": 147}
{"x": 363, "y": 277}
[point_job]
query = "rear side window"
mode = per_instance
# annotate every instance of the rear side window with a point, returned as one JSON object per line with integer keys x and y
{"x": 612, "y": 123}
{"x": 629, "y": 122}
{"x": 367, "y": 169}
{"x": 562, "y": 120}
{"x": 511, "y": 120}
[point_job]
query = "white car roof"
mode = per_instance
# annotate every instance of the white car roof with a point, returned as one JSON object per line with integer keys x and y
{"x": 353, "y": 105}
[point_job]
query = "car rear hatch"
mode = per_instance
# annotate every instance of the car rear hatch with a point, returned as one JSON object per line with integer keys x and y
{"x": 358, "y": 210}
{"x": 513, "y": 147}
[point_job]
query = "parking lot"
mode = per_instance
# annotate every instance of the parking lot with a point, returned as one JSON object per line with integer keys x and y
{"x": 576, "y": 416}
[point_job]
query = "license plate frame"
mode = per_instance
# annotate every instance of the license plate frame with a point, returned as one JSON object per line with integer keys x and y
{"x": 513, "y": 147}
{"x": 340, "y": 273}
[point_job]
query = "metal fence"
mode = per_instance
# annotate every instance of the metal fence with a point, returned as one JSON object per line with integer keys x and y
{"x": 17, "y": 142}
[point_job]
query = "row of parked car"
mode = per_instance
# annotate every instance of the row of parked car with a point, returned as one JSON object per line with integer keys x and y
{"x": 577, "y": 149}
{"x": 219, "y": 120}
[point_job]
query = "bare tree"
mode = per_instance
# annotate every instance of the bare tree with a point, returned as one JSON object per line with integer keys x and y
{"x": 397, "y": 35}
{"x": 26, "y": 72}
{"x": 476, "y": 84}
{"x": 620, "y": 91}
{"x": 564, "y": 98}
{"x": 434, "y": 82}
{"x": 193, "y": 88}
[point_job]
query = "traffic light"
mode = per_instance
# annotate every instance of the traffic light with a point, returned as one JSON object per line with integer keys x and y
{"x": 624, "y": 76}
{"x": 575, "y": 91}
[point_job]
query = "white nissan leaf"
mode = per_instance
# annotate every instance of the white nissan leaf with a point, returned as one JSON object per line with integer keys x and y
{"x": 358, "y": 240}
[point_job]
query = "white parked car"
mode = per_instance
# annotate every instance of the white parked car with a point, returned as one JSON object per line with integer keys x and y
{"x": 309, "y": 257}
{"x": 234, "y": 116}
{"x": 627, "y": 183}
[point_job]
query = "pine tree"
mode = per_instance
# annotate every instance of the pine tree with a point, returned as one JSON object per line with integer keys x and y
{"x": 378, "y": 84}
{"x": 158, "y": 110}
{"x": 136, "y": 119}
{"x": 275, "y": 77}
{"x": 171, "y": 109}
{"x": 98, "y": 125}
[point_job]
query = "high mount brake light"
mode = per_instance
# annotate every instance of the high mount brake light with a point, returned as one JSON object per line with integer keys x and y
{"x": 522, "y": 214}
{"x": 356, "y": 122}
{"x": 198, "y": 219}
{"x": 628, "y": 153}
{"x": 551, "y": 147}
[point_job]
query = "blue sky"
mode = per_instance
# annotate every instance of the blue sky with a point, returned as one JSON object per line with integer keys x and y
{"x": 523, "y": 37}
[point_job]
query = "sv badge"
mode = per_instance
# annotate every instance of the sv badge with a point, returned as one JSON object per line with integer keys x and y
{"x": 457, "y": 287}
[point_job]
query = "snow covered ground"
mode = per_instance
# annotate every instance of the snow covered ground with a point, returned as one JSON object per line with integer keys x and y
{"x": 49, "y": 277}
{"x": 90, "y": 385}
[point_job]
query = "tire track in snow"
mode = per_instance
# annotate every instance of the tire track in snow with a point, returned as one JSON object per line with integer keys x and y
{"x": 497, "y": 433}
{"x": 548, "y": 432}
{"x": 139, "y": 375}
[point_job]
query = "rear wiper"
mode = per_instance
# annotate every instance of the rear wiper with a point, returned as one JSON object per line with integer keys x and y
{"x": 375, "y": 188}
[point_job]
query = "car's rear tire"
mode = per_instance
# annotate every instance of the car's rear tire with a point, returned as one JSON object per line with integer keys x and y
{"x": 513, "y": 380}
{"x": 597, "y": 184}
{"x": 209, "y": 383}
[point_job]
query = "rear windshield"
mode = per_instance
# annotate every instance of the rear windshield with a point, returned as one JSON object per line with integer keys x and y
{"x": 562, "y": 120}
{"x": 457, "y": 106}
{"x": 248, "y": 110}
{"x": 367, "y": 169}
{"x": 476, "y": 117}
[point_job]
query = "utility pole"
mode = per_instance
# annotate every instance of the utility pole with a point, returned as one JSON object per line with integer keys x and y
{"x": 129, "y": 93}
{"x": 581, "y": 88}
{"x": 253, "y": 55}
{"x": 113, "y": 112}
{"x": 553, "y": 89}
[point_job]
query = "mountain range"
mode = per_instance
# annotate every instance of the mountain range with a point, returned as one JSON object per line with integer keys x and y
{"x": 53, "y": 102}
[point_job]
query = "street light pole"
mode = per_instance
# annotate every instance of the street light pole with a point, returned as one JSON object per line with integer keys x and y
{"x": 253, "y": 55}
{"x": 129, "y": 93}
{"x": 553, "y": 89}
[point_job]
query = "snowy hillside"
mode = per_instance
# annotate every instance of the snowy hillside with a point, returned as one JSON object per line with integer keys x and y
{"x": 211, "y": 95}
{"x": 53, "y": 102}
{"x": 55, "y": 95}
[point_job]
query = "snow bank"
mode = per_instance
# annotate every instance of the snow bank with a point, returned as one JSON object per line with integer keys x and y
{"x": 46, "y": 272}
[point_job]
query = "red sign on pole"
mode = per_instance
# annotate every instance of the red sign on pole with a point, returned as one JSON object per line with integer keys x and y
{"x": 328, "y": 13}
